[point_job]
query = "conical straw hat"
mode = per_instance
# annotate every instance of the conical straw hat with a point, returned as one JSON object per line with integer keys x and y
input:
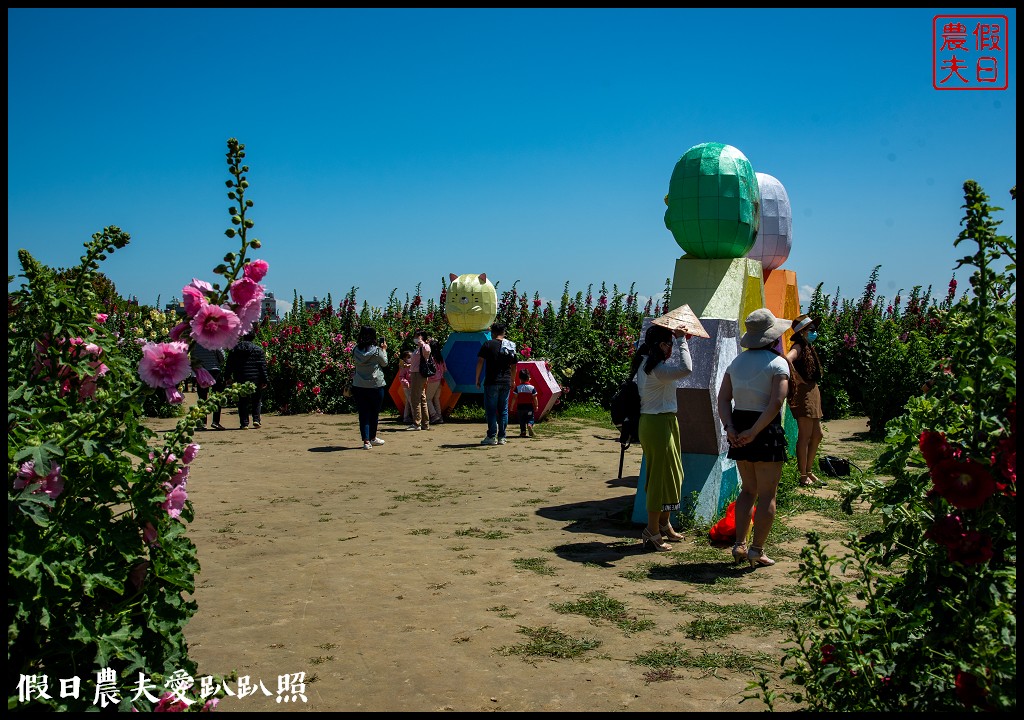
{"x": 682, "y": 318}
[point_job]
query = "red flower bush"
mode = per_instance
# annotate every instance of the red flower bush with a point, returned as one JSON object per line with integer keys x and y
{"x": 966, "y": 485}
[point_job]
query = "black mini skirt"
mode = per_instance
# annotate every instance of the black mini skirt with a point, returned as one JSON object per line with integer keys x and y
{"x": 770, "y": 445}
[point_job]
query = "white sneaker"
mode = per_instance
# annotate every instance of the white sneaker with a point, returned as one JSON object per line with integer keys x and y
{"x": 413, "y": 427}
{"x": 489, "y": 441}
{"x": 502, "y": 441}
{"x": 376, "y": 441}
{"x": 367, "y": 446}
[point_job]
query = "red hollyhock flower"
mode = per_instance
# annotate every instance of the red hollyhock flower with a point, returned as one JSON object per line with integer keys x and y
{"x": 973, "y": 549}
{"x": 947, "y": 530}
{"x": 828, "y": 654}
{"x": 966, "y": 485}
{"x": 969, "y": 690}
{"x": 934, "y": 447}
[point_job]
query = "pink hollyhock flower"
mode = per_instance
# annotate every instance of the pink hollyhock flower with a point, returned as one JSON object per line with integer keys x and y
{"x": 203, "y": 377}
{"x": 527, "y": 351}
{"x": 178, "y": 479}
{"x": 101, "y": 317}
{"x": 211, "y": 705}
{"x": 316, "y": 389}
{"x": 193, "y": 299}
{"x": 174, "y": 396}
{"x": 178, "y": 331}
{"x": 164, "y": 365}
{"x": 169, "y": 702}
{"x": 149, "y": 534}
{"x": 256, "y": 270}
{"x": 215, "y": 328}
{"x": 966, "y": 485}
{"x": 202, "y": 286}
{"x": 248, "y": 315}
{"x": 244, "y": 291}
{"x": 175, "y": 501}
{"x": 190, "y": 452}
{"x": 51, "y": 484}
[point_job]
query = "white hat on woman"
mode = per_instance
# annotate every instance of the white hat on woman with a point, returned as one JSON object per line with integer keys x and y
{"x": 763, "y": 328}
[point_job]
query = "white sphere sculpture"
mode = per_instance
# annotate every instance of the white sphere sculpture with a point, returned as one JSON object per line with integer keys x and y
{"x": 775, "y": 234}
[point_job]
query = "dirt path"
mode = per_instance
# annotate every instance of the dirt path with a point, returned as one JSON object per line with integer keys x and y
{"x": 394, "y": 578}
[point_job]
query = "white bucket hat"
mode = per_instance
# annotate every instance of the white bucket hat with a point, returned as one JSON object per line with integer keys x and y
{"x": 762, "y": 328}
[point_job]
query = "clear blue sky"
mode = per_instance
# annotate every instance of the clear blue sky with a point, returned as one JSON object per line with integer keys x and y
{"x": 393, "y": 147}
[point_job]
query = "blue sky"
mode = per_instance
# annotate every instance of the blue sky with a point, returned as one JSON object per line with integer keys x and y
{"x": 393, "y": 147}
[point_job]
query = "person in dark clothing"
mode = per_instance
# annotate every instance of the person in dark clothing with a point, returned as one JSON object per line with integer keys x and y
{"x": 212, "y": 361}
{"x": 496, "y": 367}
{"x": 247, "y": 362}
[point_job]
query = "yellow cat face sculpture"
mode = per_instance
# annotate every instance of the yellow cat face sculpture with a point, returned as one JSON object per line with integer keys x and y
{"x": 471, "y": 304}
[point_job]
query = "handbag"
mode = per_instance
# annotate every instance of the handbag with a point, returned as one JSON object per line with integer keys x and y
{"x": 834, "y": 466}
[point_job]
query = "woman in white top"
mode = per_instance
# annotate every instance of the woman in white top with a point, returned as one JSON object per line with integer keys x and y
{"x": 659, "y": 428}
{"x": 754, "y": 387}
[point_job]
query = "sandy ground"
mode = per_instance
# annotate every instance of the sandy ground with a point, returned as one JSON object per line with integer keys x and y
{"x": 390, "y": 577}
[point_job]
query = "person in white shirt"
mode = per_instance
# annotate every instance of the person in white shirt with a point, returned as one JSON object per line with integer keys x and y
{"x": 659, "y": 428}
{"x": 749, "y": 402}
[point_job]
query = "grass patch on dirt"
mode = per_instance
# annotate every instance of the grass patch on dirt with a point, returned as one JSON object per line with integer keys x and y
{"x": 483, "y": 533}
{"x": 547, "y": 642}
{"x": 598, "y": 605}
{"x": 430, "y": 493}
{"x": 537, "y": 565}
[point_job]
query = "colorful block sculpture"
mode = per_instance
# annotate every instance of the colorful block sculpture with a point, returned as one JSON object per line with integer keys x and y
{"x": 713, "y": 479}
{"x": 700, "y": 427}
{"x": 471, "y": 303}
{"x": 449, "y": 399}
{"x": 548, "y": 389}
{"x": 718, "y": 289}
{"x": 460, "y": 354}
{"x": 775, "y": 233}
{"x": 782, "y": 298}
{"x": 713, "y": 202}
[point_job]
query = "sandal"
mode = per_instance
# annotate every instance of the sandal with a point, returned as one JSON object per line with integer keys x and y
{"x": 739, "y": 552}
{"x": 655, "y": 541}
{"x": 805, "y": 481}
{"x": 668, "y": 532}
{"x": 217, "y": 426}
{"x": 756, "y": 557}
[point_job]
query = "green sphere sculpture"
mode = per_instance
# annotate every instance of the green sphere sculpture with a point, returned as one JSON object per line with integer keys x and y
{"x": 713, "y": 202}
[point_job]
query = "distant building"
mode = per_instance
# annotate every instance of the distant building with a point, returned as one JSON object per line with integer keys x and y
{"x": 274, "y": 309}
{"x": 314, "y": 304}
{"x": 175, "y": 306}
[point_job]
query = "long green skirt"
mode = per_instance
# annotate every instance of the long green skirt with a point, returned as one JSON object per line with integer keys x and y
{"x": 659, "y": 437}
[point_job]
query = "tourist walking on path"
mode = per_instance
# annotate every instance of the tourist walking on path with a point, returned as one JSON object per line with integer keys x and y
{"x": 210, "y": 362}
{"x": 496, "y": 361}
{"x": 369, "y": 357}
{"x": 247, "y": 362}
{"x": 805, "y": 396}
{"x": 749, "y": 403}
{"x": 659, "y": 428}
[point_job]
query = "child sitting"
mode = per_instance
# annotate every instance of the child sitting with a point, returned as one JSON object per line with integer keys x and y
{"x": 526, "y": 403}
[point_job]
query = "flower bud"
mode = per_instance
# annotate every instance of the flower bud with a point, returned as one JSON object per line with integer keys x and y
{"x": 256, "y": 244}
{"x": 229, "y": 183}
{"x": 230, "y": 257}
{"x": 220, "y": 270}
{"x": 249, "y": 223}
{"x": 232, "y": 210}
{"x": 231, "y": 194}
{"x": 244, "y": 184}
{"x": 248, "y": 203}
{"x": 236, "y": 219}
{"x": 230, "y": 232}
{"x": 245, "y": 168}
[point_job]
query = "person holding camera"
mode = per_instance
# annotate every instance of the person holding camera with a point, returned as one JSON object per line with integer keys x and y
{"x": 369, "y": 358}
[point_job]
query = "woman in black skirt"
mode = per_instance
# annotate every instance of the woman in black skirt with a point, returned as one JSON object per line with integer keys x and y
{"x": 753, "y": 389}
